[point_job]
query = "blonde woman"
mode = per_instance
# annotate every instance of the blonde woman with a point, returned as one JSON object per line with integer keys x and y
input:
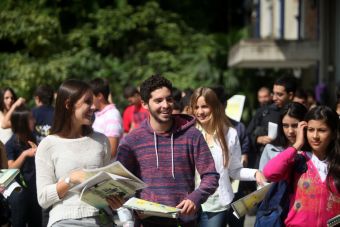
{"x": 224, "y": 145}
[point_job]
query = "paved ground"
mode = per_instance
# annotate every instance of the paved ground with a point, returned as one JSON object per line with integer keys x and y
{"x": 249, "y": 221}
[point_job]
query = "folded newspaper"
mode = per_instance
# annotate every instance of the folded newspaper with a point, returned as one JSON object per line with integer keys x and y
{"x": 242, "y": 206}
{"x": 7, "y": 176}
{"x": 113, "y": 179}
{"x": 147, "y": 208}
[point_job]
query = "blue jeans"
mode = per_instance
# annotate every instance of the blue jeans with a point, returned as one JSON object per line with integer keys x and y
{"x": 215, "y": 219}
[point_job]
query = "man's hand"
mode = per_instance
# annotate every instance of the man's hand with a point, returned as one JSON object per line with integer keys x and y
{"x": 263, "y": 140}
{"x": 115, "y": 202}
{"x": 187, "y": 207}
{"x": 244, "y": 160}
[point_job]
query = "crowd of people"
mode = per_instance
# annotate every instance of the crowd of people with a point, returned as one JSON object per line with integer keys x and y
{"x": 180, "y": 143}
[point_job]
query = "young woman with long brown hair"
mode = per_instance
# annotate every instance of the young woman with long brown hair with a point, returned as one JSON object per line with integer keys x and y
{"x": 224, "y": 145}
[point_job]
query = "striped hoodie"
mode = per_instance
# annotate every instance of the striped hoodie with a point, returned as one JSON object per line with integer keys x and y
{"x": 167, "y": 162}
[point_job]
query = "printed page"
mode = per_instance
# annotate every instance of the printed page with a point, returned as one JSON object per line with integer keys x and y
{"x": 7, "y": 176}
{"x": 114, "y": 168}
{"x": 151, "y": 209}
{"x": 247, "y": 203}
{"x": 235, "y": 106}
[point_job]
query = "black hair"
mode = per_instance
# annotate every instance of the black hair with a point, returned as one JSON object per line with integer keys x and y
{"x": 45, "y": 94}
{"x": 300, "y": 93}
{"x": 130, "y": 91}
{"x": 295, "y": 110}
{"x": 153, "y": 83}
{"x": 331, "y": 118}
{"x": 100, "y": 85}
{"x": 288, "y": 82}
{"x": 20, "y": 124}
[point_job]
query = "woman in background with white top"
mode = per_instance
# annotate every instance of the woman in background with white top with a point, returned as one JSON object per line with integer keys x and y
{"x": 224, "y": 145}
{"x": 71, "y": 146}
{"x": 8, "y": 103}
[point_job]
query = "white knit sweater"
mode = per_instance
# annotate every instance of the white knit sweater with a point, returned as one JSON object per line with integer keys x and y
{"x": 56, "y": 157}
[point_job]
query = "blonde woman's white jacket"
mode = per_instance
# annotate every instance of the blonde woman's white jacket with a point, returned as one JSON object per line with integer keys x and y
{"x": 224, "y": 195}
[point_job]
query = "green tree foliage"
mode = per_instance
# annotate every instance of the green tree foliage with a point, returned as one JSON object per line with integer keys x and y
{"x": 48, "y": 41}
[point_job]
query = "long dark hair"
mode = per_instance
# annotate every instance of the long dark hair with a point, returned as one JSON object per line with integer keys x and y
{"x": 68, "y": 94}
{"x": 295, "y": 110}
{"x": 219, "y": 120}
{"x": 330, "y": 117}
{"x": 20, "y": 124}
{"x": 2, "y": 96}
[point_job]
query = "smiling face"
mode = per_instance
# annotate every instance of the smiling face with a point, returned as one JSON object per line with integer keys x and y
{"x": 202, "y": 111}
{"x": 289, "y": 125}
{"x": 160, "y": 106}
{"x": 280, "y": 95}
{"x": 319, "y": 136}
{"x": 83, "y": 110}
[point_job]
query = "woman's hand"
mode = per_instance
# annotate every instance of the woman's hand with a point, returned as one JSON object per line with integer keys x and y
{"x": 30, "y": 152}
{"x": 77, "y": 176}
{"x": 300, "y": 135}
{"x": 260, "y": 179}
{"x": 19, "y": 102}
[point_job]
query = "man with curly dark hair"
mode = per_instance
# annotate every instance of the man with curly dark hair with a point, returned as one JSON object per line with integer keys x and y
{"x": 165, "y": 151}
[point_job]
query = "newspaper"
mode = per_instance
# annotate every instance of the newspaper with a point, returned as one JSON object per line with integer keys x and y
{"x": 242, "y": 206}
{"x": 147, "y": 208}
{"x": 235, "y": 106}
{"x": 7, "y": 176}
{"x": 113, "y": 179}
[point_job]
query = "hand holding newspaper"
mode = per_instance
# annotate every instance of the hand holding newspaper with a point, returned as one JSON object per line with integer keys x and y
{"x": 247, "y": 203}
{"x": 147, "y": 209}
{"x": 113, "y": 179}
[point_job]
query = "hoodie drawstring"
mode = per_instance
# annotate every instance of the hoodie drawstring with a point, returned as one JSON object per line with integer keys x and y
{"x": 172, "y": 156}
{"x": 172, "y": 153}
{"x": 155, "y": 142}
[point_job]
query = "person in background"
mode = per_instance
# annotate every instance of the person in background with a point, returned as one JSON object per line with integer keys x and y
{"x": 43, "y": 112}
{"x": 264, "y": 96}
{"x": 8, "y": 102}
{"x": 107, "y": 118}
{"x": 337, "y": 107}
{"x": 316, "y": 193}
{"x": 21, "y": 149}
{"x": 225, "y": 148}
{"x": 311, "y": 100}
{"x": 301, "y": 97}
{"x": 291, "y": 115}
{"x": 283, "y": 92}
{"x": 71, "y": 146}
{"x": 134, "y": 114}
{"x": 164, "y": 152}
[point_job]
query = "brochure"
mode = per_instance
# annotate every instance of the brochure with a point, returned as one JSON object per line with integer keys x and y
{"x": 247, "y": 203}
{"x": 7, "y": 176}
{"x": 235, "y": 106}
{"x": 113, "y": 179}
{"x": 272, "y": 130}
{"x": 147, "y": 208}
